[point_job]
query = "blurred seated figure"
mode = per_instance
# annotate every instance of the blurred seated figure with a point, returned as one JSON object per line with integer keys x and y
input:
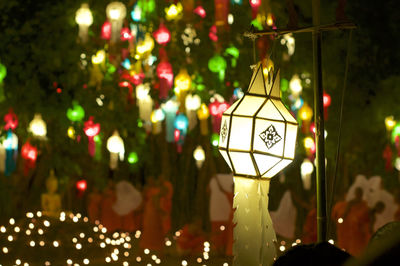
{"x": 337, "y": 219}
{"x": 128, "y": 199}
{"x": 356, "y": 224}
{"x": 321, "y": 254}
{"x": 376, "y": 210}
{"x": 93, "y": 208}
{"x": 51, "y": 201}
{"x": 191, "y": 240}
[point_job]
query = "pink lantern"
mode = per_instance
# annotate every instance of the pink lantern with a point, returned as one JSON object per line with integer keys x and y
{"x": 213, "y": 33}
{"x": 106, "y": 31}
{"x": 217, "y": 108}
{"x": 126, "y": 34}
{"x": 81, "y": 185}
{"x": 91, "y": 130}
{"x": 166, "y": 76}
{"x": 200, "y": 11}
{"x": 162, "y": 35}
{"x": 255, "y": 4}
{"x": 327, "y": 103}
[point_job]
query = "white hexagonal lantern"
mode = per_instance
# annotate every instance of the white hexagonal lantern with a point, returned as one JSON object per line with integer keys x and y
{"x": 258, "y": 133}
{"x": 257, "y": 140}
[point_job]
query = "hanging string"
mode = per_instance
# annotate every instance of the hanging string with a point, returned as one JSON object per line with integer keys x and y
{"x": 254, "y": 51}
{"x": 340, "y": 131}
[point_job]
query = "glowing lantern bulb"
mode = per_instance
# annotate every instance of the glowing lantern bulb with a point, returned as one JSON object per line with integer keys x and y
{"x": 99, "y": 57}
{"x": 106, "y": 30}
{"x": 162, "y": 35}
{"x": 199, "y": 156}
{"x": 173, "y": 11}
{"x": 255, "y": 3}
{"x": 37, "y": 126}
{"x": 71, "y": 132}
{"x": 389, "y": 123}
{"x": 270, "y": 19}
{"x": 327, "y": 99}
{"x": 91, "y": 129}
{"x": 309, "y": 143}
{"x": 305, "y": 113}
{"x": 11, "y": 120}
{"x": 200, "y": 11}
{"x": 133, "y": 158}
{"x": 116, "y": 12}
{"x": 29, "y": 152}
{"x": 77, "y": 113}
{"x": 183, "y": 81}
{"x": 81, "y": 185}
{"x": 215, "y": 139}
{"x": 295, "y": 85}
{"x": 84, "y": 19}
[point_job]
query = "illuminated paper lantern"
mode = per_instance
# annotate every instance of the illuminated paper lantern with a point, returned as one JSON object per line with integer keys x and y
{"x": 166, "y": 76}
{"x": 115, "y": 145}
{"x": 106, "y": 30}
{"x": 144, "y": 46}
{"x": 84, "y": 19}
{"x": 305, "y": 114}
{"x": 126, "y": 34}
{"x": 200, "y": 11}
{"x": 116, "y": 12}
{"x": 257, "y": 140}
{"x": 173, "y": 12}
{"x": 157, "y": 116}
{"x": 11, "y": 120}
{"x": 199, "y": 156}
{"x": 144, "y": 102}
{"x": 181, "y": 125}
{"x": 306, "y": 169}
{"x": 295, "y": 86}
{"x": 217, "y": 64}
{"x": 203, "y": 115}
{"x": 192, "y": 104}
{"x": 91, "y": 130}
{"x": 81, "y": 185}
{"x": 389, "y": 123}
{"x": 255, "y": 4}
{"x": 77, "y": 113}
{"x": 38, "y": 127}
{"x": 183, "y": 82}
{"x": 9, "y": 150}
{"x": 162, "y": 35}
{"x": 170, "y": 108}
{"x": 29, "y": 153}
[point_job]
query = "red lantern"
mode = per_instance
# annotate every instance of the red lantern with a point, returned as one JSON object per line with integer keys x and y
{"x": 126, "y": 34}
{"x": 213, "y": 33}
{"x": 106, "y": 31}
{"x": 200, "y": 11}
{"x": 11, "y": 120}
{"x": 91, "y": 130}
{"x": 255, "y": 4}
{"x": 327, "y": 100}
{"x": 81, "y": 185}
{"x": 217, "y": 108}
{"x": 166, "y": 76}
{"x": 162, "y": 35}
{"x": 29, "y": 153}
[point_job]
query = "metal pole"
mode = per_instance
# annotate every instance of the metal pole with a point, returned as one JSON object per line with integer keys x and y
{"x": 319, "y": 125}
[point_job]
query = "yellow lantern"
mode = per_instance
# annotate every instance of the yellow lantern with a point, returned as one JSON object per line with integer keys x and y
{"x": 306, "y": 169}
{"x": 71, "y": 132}
{"x": 84, "y": 19}
{"x": 199, "y": 156}
{"x": 183, "y": 83}
{"x": 173, "y": 12}
{"x": 192, "y": 104}
{"x": 389, "y": 123}
{"x": 257, "y": 140}
{"x": 203, "y": 115}
{"x": 115, "y": 145}
{"x": 305, "y": 112}
{"x": 157, "y": 116}
{"x": 145, "y": 46}
{"x": 38, "y": 127}
{"x": 116, "y": 12}
{"x": 99, "y": 58}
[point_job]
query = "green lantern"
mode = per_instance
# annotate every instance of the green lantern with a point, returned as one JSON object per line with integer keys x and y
{"x": 395, "y": 132}
{"x": 77, "y": 113}
{"x": 234, "y": 52}
{"x": 217, "y": 64}
{"x": 133, "y": 158}
{"x": 3, "y": 72}
{"x": 284, "y": 84}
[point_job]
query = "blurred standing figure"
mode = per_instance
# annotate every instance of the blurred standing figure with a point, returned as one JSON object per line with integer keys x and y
{"x": 152, "y": 235}
{"x": 167, "y": 192}
{"x": 356, "y": 224}
{"x": 337, "y": 217}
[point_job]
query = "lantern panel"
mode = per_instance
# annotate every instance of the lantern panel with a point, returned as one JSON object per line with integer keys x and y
{"x": 240, "y": 133}
{"x": 226, "y": 158}
{"x": 257, "y": 83}
{"x": 275, "y": 91}
{"x": 243, "y": 164}
{"x": 291, "y": 133}
{"x": 270, "y": 111}
{"x": 265, "y": 162}
{"x": 269, "y": 137}
{"x": 277, "y": 168}
{"x": 249, "y": 105}
{"x": 223, "y": 136}
{"x": 284, "y": 111}
{"x": 231, "y": 108}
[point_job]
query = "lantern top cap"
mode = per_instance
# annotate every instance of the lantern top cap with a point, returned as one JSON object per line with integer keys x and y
{"x": 264, "y": 82}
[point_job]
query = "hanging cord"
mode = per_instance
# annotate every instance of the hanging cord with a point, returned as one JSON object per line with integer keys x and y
{"x": 339, "y": 133}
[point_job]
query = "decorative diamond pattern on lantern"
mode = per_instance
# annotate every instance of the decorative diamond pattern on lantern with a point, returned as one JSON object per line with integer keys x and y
{"x": 224, "y": 131}
{"x": 258, "y": 133}
{"x": 270, "y": 136}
